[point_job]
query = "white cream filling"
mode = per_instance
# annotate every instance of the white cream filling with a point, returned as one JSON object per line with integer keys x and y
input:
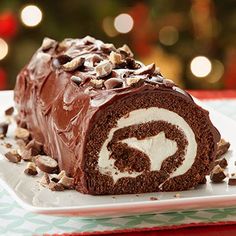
{"x": 157, "y": 147}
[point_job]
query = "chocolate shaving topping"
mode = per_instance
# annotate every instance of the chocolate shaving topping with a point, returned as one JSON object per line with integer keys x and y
{"x": 146, "y": 70}
{"x": 76, "y": 79}
{"x": 115, "y": 58}
{"x": 135, "y": 81}
{"x": 103, "y": 69}
{"x": 97, "y": 83}
{"x": 125, "y": 51}
{"x": 107, "y": 47}
{"x": 47, "y": 44}
{"x": 9, "y": 111}
{"x": 74, "y": 64}
{"x": 60, "y": 60}
{"x": 113, "y": 83}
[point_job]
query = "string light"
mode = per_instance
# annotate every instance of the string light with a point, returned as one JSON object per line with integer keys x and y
{"x": 123, "y": 23}
{"x": 168, "y": 35}
{"x": 200, "y": 66}
{"x": 31, "y": 15}
{"x": 3, "y": 48}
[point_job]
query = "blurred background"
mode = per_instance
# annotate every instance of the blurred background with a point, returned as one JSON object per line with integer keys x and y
{"x": 193, "y": 42}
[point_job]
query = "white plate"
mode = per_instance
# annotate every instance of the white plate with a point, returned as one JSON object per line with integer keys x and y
{"x": 31, "y": 195}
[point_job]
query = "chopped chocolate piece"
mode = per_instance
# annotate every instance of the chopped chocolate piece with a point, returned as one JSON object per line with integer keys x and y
{"x": 20, "y": 143}
{"x": 54, "y": 179}
{"x": 76, "y": 79}
{"x": 9, "y": 111}
{"x": 4, "y": 128}
{"x": 104, "y": 68}
{"x": 13, "y": 156}
{"x": 8, "y": 145}
{"x": 45, "y": 180}
{"x": 203, "y": 181}
{"x": 46, "y": 164}
{"x": 88, "y": 40}
{"x": 31, "y": 169}
{"x": 56, "y": 186}
{"x": 74, "y": 64}
{"x": 47, "y": 44}
{"x": 222, "y": 163}
{"x": 153, "y": 198}
{"x": 113, "y": 83}
{"x": 107, "y": 47}
{"x": 67, "y": 182}
{"x": 134, "y": 80}
{"x": 22, "y": 133}
{"x": 95, "y": 59}
{"x": 27, "y": 155}
{"x": 61, "y": 174}
{"x": 217, "y": 174}
{"x": 115, "y": 58}
{"x": 132, "y": 64}
{"x": 233, "y": 174}
{"x": 222, "y": 148}
{"x": 97, "y": 83}
{"x": 156, "y": 79}
{"x": 168, "y": 83}
{"x": 177, "y": 195}
{"x": 146, "y": 70}
{"x": 60, "y": 60}
{"x": 125, "y": 50}
{"x": 34, "y": 147}
{"x": 232, "y": 181}
{"x": 2, "y": 136}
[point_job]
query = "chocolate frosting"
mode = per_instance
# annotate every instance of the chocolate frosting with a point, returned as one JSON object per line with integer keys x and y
{"x": 59, "y": 93}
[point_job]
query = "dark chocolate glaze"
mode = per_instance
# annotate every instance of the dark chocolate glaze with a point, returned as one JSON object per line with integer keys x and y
{"x": 59, "y": 105}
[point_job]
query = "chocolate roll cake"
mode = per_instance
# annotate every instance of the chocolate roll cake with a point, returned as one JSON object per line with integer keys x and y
{"x": 113, "y": 124}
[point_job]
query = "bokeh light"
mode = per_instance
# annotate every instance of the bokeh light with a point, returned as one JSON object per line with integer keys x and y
{"x": 123, "y": 23}
{"x": 3, "y": 48}
{"x": 108, "y": 27}
{"x": 200, "y": 66}
{"x": 168, "y": 35}
{"x": 31, "y": 15}
{"x": 217, "y": 71}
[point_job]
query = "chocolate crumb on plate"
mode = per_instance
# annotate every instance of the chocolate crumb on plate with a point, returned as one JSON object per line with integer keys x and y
{"x": 217, "y": 174}
{"x": 4, "y": 128}
{"x": 46, "y": 164}
{"x": 9, "y": 111}
{"x": 232, "y": 181}
{"x": 153, "y": 198}
{"x": 21, "y": 133}
{"x": 177, "y": 195}
{"x": 31, "y": 169}
{"x": 56, "y": 186}
{"x": 222, "y": 163}
{"x": 8, "y": 145}
{"x": 45, "y": 180}
{"x": 67, "y": 182}
{"x": 13, "y": 156}
{"x": 222, "y": 148}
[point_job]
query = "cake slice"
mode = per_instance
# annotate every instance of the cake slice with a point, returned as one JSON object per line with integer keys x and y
{"x": 113, "y": 124}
